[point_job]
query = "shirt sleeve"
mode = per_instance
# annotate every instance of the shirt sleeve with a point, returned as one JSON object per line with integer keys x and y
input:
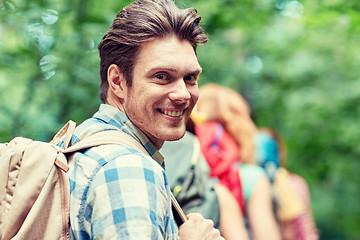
{"x": 128, "y": 199}
{"x": 250, "y": 175}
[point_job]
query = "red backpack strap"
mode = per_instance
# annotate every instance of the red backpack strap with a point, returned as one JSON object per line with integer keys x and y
{"x": 221, "y": 152}
{"x": 217, "y": 146}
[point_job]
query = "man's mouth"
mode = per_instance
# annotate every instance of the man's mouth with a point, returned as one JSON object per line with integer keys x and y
{"x": 172, "y": 113}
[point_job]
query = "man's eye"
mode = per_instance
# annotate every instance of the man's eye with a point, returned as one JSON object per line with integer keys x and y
{"x": 191, "y": 78}
{"x": 162, "y": 76}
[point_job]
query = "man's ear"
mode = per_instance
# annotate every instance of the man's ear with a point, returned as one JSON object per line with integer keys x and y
{"x": 117, "y": 81}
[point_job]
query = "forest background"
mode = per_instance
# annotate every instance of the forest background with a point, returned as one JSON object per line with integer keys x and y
{"x": 296, "y": 62}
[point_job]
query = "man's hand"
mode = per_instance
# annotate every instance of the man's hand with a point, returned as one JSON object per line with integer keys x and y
{"x": 198, "y": 228}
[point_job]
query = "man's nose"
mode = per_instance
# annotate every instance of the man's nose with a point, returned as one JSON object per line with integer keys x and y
{"x": 179, "y": 92}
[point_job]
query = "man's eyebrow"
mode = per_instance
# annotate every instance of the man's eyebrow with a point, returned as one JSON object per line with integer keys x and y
{"x": 193, "y": 71}
{"x": 162, "y": 68}
{"x": 196, "y": 71}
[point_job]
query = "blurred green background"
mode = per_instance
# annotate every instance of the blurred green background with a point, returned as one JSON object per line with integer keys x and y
{"x": 296, "y": 62}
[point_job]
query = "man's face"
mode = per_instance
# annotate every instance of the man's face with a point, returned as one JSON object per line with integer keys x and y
{"x": 164, "y": 89}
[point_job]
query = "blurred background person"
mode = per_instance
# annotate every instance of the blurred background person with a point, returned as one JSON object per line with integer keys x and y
{"x": 226, "y": 133}
{"x": 290, "y": 191}
{"x": 188, "y": 175}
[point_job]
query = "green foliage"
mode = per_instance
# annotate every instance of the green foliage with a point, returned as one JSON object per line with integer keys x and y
{"x": 297, "y": 63}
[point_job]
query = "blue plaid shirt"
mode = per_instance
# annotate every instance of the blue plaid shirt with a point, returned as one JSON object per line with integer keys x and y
{"x": 118, "y": 192}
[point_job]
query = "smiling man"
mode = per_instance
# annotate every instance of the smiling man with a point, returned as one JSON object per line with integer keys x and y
{"x": 163, "y": 91}
{"x": 149, "y": 72}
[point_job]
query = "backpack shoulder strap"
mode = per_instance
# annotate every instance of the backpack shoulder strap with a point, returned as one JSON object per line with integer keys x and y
{"x": 196, "y": 151}
{"x": 219, "y": 131}
{"x": 64, "y": 134}
{"x": 107, "y": 137}
{"x": 121, "y": 138}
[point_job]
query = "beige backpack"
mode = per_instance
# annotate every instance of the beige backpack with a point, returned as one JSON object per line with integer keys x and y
{"x": 34, "y": 197}
{"x": 34, "y": 185}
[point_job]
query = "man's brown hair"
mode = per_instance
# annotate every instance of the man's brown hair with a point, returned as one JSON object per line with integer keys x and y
{"x": 143, "y": 21}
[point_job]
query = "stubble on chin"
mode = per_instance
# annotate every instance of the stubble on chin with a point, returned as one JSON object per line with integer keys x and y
{"x": 180, "y": 132}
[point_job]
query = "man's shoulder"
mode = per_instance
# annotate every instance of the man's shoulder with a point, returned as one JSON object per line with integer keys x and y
{"x": 90, "y": 127}
{"x": 119, "y": 156}
{"x": 117, "y": 163}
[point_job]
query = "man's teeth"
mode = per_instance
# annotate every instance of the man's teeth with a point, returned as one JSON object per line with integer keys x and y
{"x": 173, "y": 113}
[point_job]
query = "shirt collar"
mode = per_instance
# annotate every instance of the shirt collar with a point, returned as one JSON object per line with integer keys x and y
{"x": 118, "y": 119}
